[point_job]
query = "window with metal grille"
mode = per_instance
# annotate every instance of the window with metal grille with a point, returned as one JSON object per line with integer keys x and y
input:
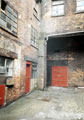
{"x": 80, "y": 5}
{"x": 57, "y": 7}
{"x": 34, "y": 36}
{"x": 8, "y": 18}
{"x": 6, "y": 66}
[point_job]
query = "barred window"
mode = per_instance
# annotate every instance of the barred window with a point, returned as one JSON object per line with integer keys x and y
{"x": 8, "y": 18}
{"x": 57, "y": 7}
{"x": 80, "y": 5}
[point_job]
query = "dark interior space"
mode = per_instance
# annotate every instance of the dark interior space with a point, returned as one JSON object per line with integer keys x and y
{"x": 74, "y": 44}
{"x": 69, "y": 52}
{"x": 3, "y": 5}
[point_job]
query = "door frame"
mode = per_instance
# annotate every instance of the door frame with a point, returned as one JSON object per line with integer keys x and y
{"x": 51, "y": 63}
{"x": 27, "y": 86}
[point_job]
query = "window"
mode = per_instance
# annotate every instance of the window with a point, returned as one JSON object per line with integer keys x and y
{"x": 6, "y": 66}
{"x": 34, "y": 36}
{"x": 57, "y": 7}
{"x": 34, "y": 71}
{"x": 80, "y": 5}
{"x": 2, "y": 61}
{"x": 8, "y": 18}
{"x": 36, "y": 11}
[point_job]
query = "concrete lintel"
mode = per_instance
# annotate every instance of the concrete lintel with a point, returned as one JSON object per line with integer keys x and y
{"x": 66, "y": 34}
{"x": 7, "y": 53}
{"x": 27, "y": 58}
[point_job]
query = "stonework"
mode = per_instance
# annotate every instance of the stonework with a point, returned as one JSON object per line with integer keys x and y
{"x": 71, "y": 21}
{"x": 20, "y": 49}
{"x": 68, "y": 25}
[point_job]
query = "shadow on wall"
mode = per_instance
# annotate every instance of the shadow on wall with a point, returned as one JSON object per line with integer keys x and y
{"x": 75, "y": 44}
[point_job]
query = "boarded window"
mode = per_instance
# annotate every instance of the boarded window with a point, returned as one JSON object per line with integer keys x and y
{"x": 80, "y": 5}
{"x": 8, "y": 18}
{"x": 57, "y": 8}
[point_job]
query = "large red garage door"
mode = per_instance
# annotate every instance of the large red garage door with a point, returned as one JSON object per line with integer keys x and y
{"x": 60, "y": 76}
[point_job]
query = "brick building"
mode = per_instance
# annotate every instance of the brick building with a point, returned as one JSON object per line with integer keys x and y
{"x": 63, "y": 25}
{"x": 41, "y": 43}
{"x": 19, "y": 48}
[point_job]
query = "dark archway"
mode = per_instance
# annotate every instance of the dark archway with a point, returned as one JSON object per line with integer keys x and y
{"x": 66, "y": 51}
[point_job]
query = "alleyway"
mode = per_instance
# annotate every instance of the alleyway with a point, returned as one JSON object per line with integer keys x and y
{"x": 51, "y": 104}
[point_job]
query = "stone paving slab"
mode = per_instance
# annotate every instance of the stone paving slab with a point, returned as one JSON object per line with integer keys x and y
{"x": 52, "y": 104}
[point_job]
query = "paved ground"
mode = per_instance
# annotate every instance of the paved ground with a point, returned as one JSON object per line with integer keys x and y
{"x": 52, "y": 104}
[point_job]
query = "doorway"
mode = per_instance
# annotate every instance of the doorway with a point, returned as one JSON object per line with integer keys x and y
{"x": 60, "y": 76}
{"x": 2, "y": 94}
{"x": 28, "y": 77}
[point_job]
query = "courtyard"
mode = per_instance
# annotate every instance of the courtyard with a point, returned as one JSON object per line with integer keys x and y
{"x": 51, "y": 104}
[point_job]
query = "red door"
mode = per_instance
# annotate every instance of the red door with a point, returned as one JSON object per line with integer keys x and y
{"x": 60, "y": 76}
{"x": 28, "y": 77}
{"x": 2, "y": 94}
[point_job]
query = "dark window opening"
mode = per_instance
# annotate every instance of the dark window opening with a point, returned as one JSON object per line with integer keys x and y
{"x": 8, "y": 26}
{"x": 2, "y": 61}
{"x": 3, "y": 5}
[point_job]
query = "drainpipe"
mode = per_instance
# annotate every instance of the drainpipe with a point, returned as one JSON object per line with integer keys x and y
{"x": 45, "y": 60}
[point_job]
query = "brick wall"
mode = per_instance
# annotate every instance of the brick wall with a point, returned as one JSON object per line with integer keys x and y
{"x": 20, "y": 46}
{"x": 68, "y": 51}
{"x": 70, "y": 22}
{"x": 75, "y": 66}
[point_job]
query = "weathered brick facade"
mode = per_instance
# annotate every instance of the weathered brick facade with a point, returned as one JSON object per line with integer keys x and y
{"x": 71, "y": 21}
{"x": 19, "y": 47}
{"x": 68, "y": 25}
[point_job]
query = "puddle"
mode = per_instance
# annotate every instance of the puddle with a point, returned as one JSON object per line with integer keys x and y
{"x": 44, "y": 99}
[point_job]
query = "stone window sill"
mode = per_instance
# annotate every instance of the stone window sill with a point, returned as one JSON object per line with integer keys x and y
{"x": 78, "y": 12}
{"x": 36, "y": 17}
{"x": 5, "y": 29}
{"x": 34, "y": 46}
{"x": 58, "y": 15}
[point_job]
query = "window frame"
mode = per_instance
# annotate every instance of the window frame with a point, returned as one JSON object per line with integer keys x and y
{"x": 35, "y": 11}
{"x": 6, "y": 67}
{"x": 12, "y": 19}
{"x": 79, "y": 11}
{"x": 34, "y": 37}
{"x": 59, "y": 4}
{"x": 34, "y": 71}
